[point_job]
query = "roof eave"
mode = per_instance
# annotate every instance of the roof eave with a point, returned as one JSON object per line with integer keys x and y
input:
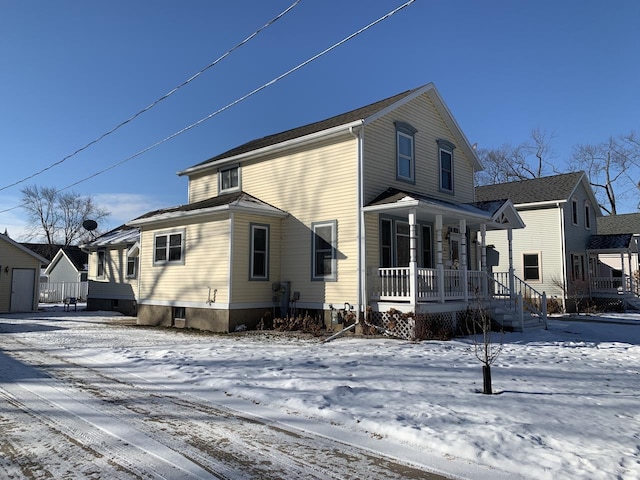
{"x": 294, "y": 142}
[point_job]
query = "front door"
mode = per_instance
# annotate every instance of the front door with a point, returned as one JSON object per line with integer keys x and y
{"x": 22, "y": 289}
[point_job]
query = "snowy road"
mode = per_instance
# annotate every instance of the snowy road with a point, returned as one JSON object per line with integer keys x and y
{"x": 64, "y": 415}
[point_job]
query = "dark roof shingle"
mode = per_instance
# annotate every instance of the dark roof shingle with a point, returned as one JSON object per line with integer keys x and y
{"x": 544, "y": 189}
{"x": 624, "y": 223}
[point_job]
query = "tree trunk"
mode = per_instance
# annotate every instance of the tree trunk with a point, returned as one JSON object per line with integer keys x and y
{"x": 486, "y": 377}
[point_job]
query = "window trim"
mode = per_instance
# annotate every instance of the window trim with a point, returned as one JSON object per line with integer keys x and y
{"x": 580, "y": 259}
{"x": 524, "y": 268}
{"x": 587, "y": 215}
{"x": 168, "y": 234}
{"x": 222, "y": 171}
{"x": 333, "y": 276}
{"x": 102, "y": 274}
{"x": 253, "y": 227}
{"x": 447, "y": 147}
{"x": 405, "y": 130}
{"x": 574, "y": 211}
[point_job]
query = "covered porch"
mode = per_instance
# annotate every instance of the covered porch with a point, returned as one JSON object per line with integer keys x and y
{"x": 613, "y": 261}
{"x": 447, "y": 257}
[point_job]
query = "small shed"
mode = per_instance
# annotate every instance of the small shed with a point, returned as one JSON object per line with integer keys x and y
{"x": 19, "y": 274}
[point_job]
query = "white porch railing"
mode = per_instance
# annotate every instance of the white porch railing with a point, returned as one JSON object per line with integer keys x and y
{"x": 56, "y": 292}
{"x": 614, "y": 286}
{"x": 393, "y": 284}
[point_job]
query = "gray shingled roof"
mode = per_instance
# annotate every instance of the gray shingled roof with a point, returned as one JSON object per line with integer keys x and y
{"x": 625, "y": 223}
{"x": 609, "y": 242}
{"x": 77, "y": 257}
{"x": 335, "y": 121}
{"x": 545, "y": 189}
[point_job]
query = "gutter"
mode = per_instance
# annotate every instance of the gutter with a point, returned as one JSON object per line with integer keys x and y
{"x": 361, "y": 283}
{"x": 564, "y": 252}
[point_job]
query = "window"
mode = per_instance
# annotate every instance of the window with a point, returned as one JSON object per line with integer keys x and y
{"x": 169, "y": 248}
{"x": 531, "y": 264}
{"x": 405, "y": 152}
{"x": 230, "y": 179}
{"x": 577, "y": 266}
{"x": 259, "y": 268}
{"x": 403, "y": 240}
{"x": 427, "y": 247}
{"x": 574, "y": 212}
{"x": 101, "y": 263}
{"x": 132, "y": 266}
{"x": 587, "y": 216}
{"x": 445, "y": 155}
{"x": 323, "y": 248}
{"x": 386, "y": 247}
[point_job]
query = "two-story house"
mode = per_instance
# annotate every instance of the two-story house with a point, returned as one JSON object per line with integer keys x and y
{"x": 551, "y": 253}
{"x": 371, "y": 209}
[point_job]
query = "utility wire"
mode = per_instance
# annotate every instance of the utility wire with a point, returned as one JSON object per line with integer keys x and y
{"x": 235, "y": 102}
{"x": 156, "y": 102}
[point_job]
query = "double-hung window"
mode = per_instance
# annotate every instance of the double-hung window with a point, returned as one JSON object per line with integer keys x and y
{"x": 405, "y": 152}
{"x": 574, "y": 211}
{"x": 169, "y": 248}
{"x": 587, "y": 216}
{"x": 132, "y": 260}
{"x": 531, "y": 266}
{"x": 259, "y": 268}
{"x": 445, "y": 158}
{"x": 102, "y": 254}
{"x": 230, "y": 178}
{"x": 323, "y": 248}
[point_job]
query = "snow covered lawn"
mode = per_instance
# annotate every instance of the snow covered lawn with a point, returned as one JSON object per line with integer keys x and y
{"x": 567, "y": 401}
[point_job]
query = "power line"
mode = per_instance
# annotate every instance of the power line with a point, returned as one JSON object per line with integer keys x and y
{"x": 156, "y": 102}
{"x": 235, "y": 102}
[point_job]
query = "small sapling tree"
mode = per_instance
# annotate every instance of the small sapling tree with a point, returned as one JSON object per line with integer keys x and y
{"x": 485, "y": 347}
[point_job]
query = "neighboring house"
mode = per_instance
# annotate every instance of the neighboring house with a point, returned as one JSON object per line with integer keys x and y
{"x": 113, "y": 270}
{"x": 372, "y": 209}
{"x": 615, "y": 253}
{"x": 19, "y": 274}
{"x": 46, "y": 251}
{"x": 561, "y": 214}
{"x": 66, "y": 275}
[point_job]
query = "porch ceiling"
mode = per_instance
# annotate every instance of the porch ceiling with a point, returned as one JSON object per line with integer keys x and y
{"x": 498, "y": 215}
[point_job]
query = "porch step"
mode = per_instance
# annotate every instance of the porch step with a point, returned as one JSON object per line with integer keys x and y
{"x": 508, "y": 318}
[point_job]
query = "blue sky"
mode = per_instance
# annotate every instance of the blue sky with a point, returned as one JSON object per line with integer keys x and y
{"x": 72, "y": 70}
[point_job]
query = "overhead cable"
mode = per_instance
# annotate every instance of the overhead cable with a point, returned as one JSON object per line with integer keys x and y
{"x": 235, "y": 102}
{"x": 156, "y": 102}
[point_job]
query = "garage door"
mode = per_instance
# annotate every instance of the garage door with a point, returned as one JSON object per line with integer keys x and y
{"x": 22, "y": 289}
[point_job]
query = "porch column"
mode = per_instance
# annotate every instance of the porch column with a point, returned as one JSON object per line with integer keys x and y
{"x": 483, "y": 259}
{"x": 512, "y": 281}
{"x": 463, "y": 259}
{"x": 439, "y": 266}
{"x": 624, "y": 275}
{"x": 413, "y": 260}
{"x": 631, "y": 287}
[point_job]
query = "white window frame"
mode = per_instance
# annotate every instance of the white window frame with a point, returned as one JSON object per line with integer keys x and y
{"x": 221, "y": 179}
{"x": 102, "y": 252}
{"x": 252, "y": 251}
{"x": 524, "y": 267}
{"x": 168, "y": 246}
{"x": 332, "y": 250}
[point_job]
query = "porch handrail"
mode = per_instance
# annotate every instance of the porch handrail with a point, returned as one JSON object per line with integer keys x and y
{"x": 534, "y": 301}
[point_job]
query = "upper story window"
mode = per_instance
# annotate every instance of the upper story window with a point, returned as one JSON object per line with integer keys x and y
{"x": 587, "y": 216}
{"x": 574, "y": 212}
{"x": 259, "y": 268}
{"x": 323, "y": 246}
{"x": 229, "y": 178}
{"x": 168, "y": 248}
{"x": 445, "y": 157}
{"x": 405, "y": 152}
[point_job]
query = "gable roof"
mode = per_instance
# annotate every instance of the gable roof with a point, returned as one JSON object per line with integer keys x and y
{"x": 343, "y": 121}
{"x": 7, "y": 239}
{"x": 230, "y": 201}
{"x": 624, "y": 223}
{"x": 122, "y": 235}
{"x": 555, "y": 188}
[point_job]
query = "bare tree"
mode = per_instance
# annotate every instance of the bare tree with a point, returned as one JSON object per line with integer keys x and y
{"x": 57, "y": 217}
{"x": 529, "y": 159}
{"x": 613, "y": 168}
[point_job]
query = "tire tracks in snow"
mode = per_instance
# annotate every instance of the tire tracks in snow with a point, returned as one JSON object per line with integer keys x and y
{"x": 154, "y": 432}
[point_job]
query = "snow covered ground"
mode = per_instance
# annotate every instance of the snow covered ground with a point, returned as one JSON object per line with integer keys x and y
{"x": 566, "y": 402}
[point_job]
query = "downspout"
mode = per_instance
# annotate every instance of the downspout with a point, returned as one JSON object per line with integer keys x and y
{"x": 564, "y": 256}
{"x": 361, "y": 283}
